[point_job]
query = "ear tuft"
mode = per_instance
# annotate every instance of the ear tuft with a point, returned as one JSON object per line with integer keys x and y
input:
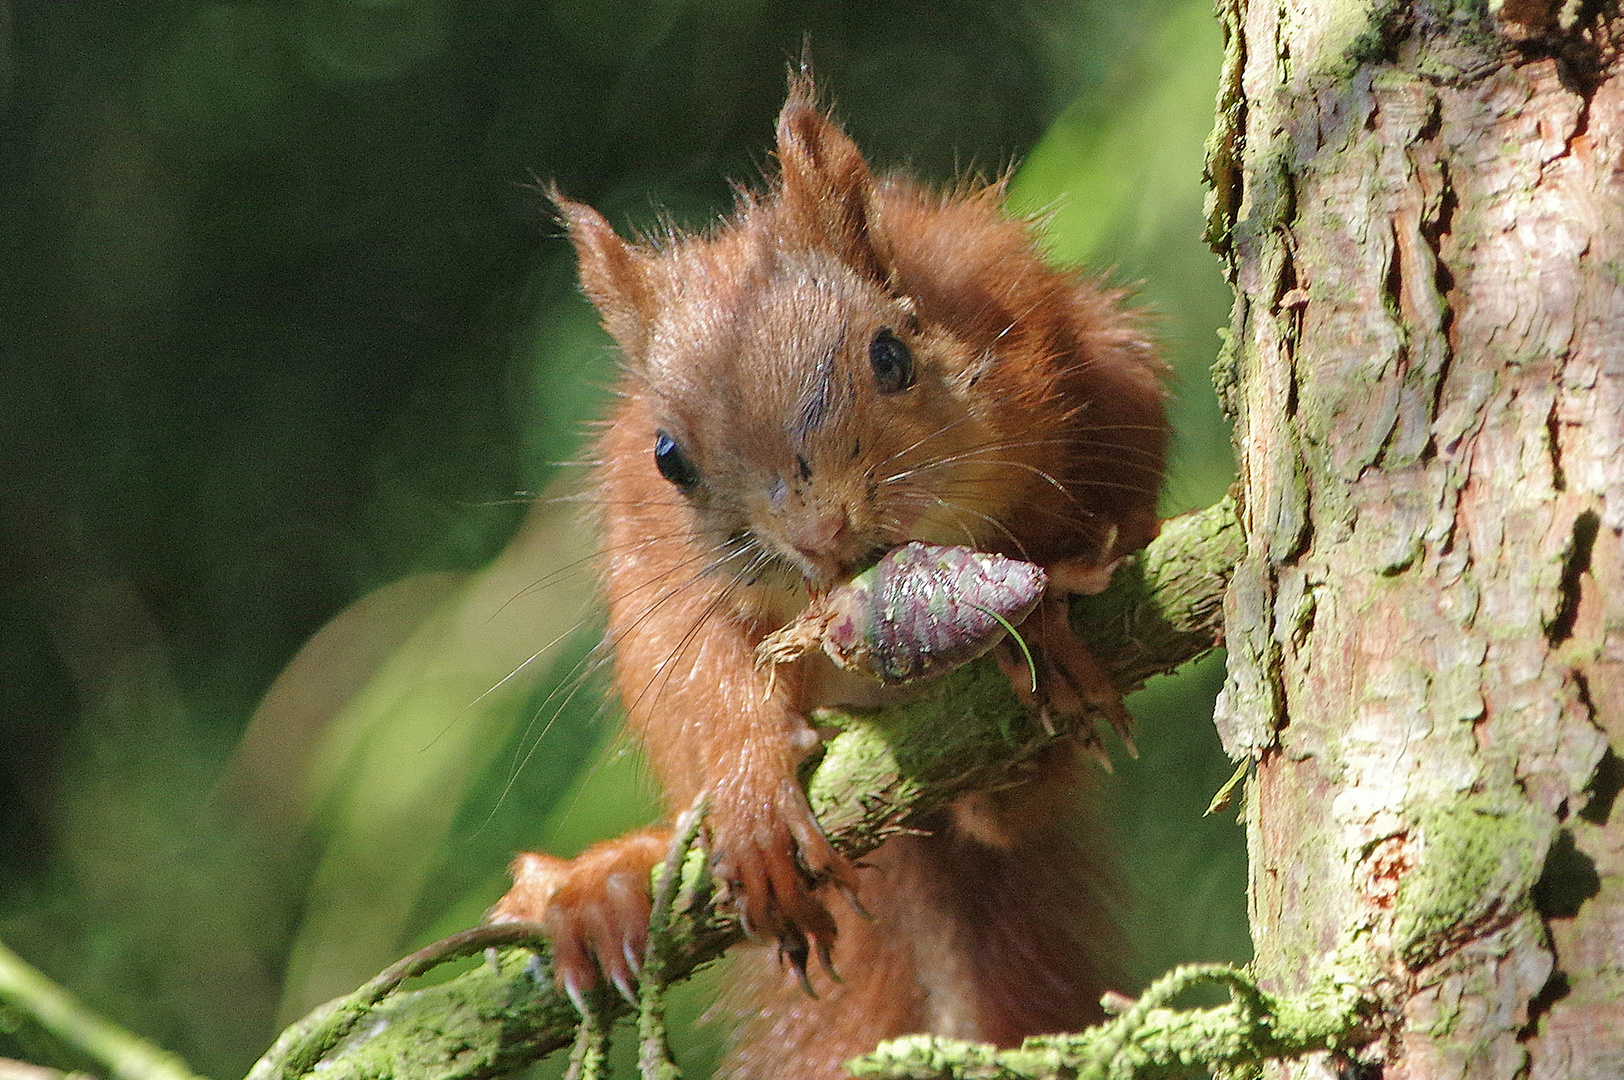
{"x": 614, "y": 275}
{"x": 825, "y": 191}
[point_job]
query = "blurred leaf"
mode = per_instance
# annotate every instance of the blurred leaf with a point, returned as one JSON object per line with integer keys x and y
{"x": 397, "y": 762}
{"x": 1114, "y": 176}
{"x": 1117, "y": 180}
{"x": 220, "y": 77}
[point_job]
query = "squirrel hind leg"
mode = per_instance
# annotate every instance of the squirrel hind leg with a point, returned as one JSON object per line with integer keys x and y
{"x": 1041, "y": 948}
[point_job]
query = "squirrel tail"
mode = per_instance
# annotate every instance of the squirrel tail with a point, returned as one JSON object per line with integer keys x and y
{"x": 990, "y": 926}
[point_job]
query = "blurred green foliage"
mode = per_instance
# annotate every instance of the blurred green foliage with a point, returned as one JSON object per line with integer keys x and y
{"x": 290, "y": 362}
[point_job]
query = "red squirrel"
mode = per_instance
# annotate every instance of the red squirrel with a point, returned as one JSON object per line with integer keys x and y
{"x": 847, "y": 363}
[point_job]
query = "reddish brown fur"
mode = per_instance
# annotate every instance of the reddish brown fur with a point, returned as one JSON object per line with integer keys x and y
{"x": 1033, "y": 427}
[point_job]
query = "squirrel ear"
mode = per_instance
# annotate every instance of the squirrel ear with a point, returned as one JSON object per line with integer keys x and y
{"x": 613, "y": 275}
{"x": 825, "y": 191}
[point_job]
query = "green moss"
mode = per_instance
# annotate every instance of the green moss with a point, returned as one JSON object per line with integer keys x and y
{"x": 1351, "y": 35}
{"x": 1480, "y": 858}
{"x": 1149, "y": 1040}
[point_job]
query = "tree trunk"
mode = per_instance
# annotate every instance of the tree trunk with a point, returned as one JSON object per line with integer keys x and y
{"x": 1420, "y": 206}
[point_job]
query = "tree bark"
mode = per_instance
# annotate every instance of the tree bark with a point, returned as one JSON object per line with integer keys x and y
{"x": 1421, "y": 211}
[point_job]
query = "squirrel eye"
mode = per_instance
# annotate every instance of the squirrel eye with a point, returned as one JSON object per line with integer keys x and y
{"x": 672, "y": 462}
{"x": 892, "y": 362}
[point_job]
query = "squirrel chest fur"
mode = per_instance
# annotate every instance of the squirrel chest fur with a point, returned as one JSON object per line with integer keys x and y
{"x": 846, "y": 364}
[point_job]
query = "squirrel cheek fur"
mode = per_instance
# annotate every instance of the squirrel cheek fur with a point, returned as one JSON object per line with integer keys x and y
{"x": 846, "y": 364}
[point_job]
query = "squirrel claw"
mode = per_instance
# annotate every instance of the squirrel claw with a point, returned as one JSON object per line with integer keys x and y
{"x": 625, "y": 986}
{"x": 1121, "y": 722}
{"x": 1095, "y": 751}
{"x": 795, "y": 952}
{"x": 826, "y": 961}
{"x": 576, "y": 993}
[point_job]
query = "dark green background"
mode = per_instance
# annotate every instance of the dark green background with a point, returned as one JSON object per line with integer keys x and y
{"x": 285, "y": 332}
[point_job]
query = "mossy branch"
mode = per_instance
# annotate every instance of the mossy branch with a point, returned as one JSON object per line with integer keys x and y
{"x": 883, "y": 770}
{"x": 1148, "y": 1041}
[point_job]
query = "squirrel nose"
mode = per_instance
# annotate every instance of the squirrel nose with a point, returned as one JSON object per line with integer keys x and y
{"x": 820, "y": 535}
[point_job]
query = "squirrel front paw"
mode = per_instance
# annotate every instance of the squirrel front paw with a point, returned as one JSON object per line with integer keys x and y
{"x": 1069, "y": 682}
{"x": 774, "y": 859}
{"x": 595, "y": 908}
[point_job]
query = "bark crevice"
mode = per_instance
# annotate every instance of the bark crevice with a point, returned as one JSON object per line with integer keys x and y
{"x": 1575, "y": 564}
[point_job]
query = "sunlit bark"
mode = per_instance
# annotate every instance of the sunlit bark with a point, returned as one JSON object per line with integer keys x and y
{"x": 1422, "y": 213}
